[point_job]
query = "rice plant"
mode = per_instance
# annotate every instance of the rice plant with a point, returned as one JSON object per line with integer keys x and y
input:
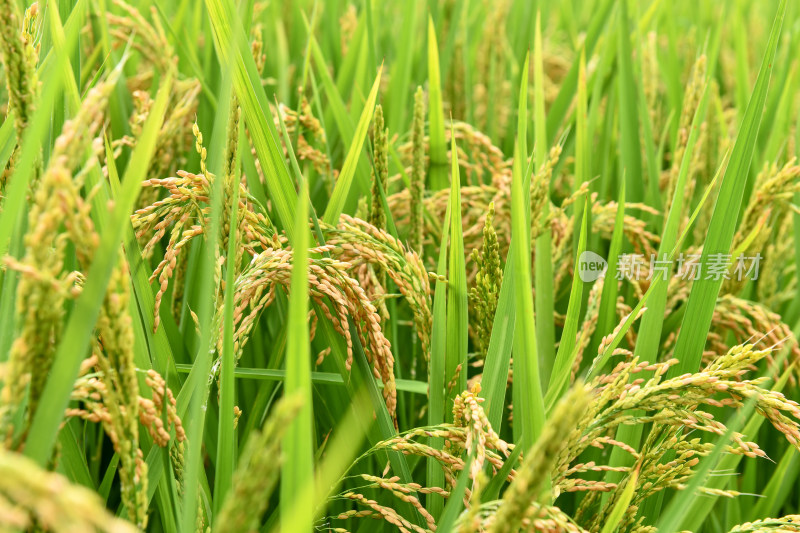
{"x": 360, "y": 266}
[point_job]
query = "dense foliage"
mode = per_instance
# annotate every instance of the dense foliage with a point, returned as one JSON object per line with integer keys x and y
{"x": 365, "y": 266}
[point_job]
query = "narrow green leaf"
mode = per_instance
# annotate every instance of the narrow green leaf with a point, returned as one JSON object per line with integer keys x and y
{"x": 741, "y": 51}
{"x": 539, "y": 119}
{"x": 297, "y": 472}
{"x": 527, "y": 382}
{"x": 321, "y": 378}
{"x": 72, "y": 462}
{"x": 400, "y": 82}
{"x": 582, "y": 152}
{"x": 518, "y": 396}
{"x": 563, "y": 101}
{"x": 437, "y": 146}
{"x": 194, "y": 395}
{"x": 226, "y": 439}
{"x": 780, "y": 485}
{"x": 543, "y": 265}
{"x": 336, "y": 105}
{"x": 255, "y": 106}
{"x": 343, "y": 188}
{"x": 8, "y": 140}
{"x": 436, "y": 369}
{"x": 457, "y": 322}
{"x": 719, "y": 237}
{"x": 780, "y": 130}
{"x": 621, "y": 506}
{"x": 492, "y": 491}
{"x": 498, "y": 356}
{"x": 565, "y": 357}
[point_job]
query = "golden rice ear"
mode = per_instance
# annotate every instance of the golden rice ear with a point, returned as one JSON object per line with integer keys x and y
{"x": 116, "y": 362}
{"x": 31, "y": 495}
{"x": 470, "y": 432}
{"x": 533, "y": 482}
{"x": 766, "y": 229}
{"x": 339, "y": 295}
{"x": 174, "y": 139}
{"x": 357, "y": 243}
{"x": 750, "y": 322}
{"x": 110, "y": 396}
{"x": 150, "y": 39}
{"x": 58, "y": 202}
{"x": 790, "y": 522}
{"x": 619, "y": 94}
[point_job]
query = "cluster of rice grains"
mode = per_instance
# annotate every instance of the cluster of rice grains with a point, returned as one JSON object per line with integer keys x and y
{"x": 59, "y": 246}
{"x": 585, "y": 420}
{"x": 370, "y": 280}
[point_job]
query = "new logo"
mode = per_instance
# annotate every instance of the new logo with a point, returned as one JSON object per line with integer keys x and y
{"x": 591, "y": 266}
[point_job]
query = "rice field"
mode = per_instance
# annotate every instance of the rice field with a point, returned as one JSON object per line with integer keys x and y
{"x": 360, "y": 266}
